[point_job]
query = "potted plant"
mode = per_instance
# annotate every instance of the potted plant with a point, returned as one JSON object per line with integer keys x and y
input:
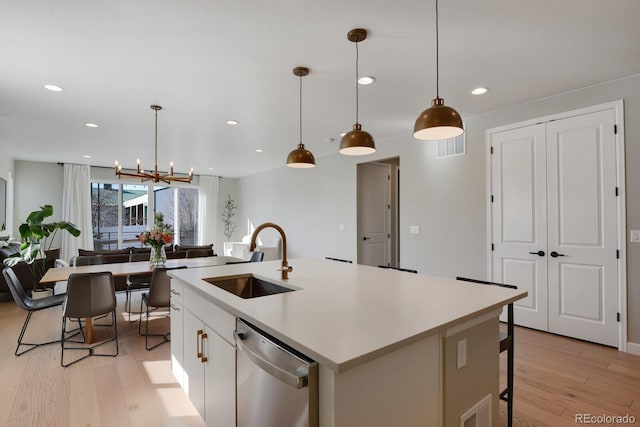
{"x": 227, "y": 221}
{"x": 37, "y": 238}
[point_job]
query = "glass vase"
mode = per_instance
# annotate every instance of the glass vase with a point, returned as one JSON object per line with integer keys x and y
{"x": 158, "y": 257}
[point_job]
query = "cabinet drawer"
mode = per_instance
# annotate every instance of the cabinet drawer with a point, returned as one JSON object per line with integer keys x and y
{"x": 222, "y": 322}
{"x": 177, "y": 291}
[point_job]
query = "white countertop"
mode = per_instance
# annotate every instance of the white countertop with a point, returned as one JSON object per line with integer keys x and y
{"x": 347, "y": 314}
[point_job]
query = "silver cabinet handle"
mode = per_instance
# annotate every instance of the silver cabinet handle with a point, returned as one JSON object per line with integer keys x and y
{"x": 173, "y": 291}
{"x": 294, "y": 379}
{"x": 175, "y": 307}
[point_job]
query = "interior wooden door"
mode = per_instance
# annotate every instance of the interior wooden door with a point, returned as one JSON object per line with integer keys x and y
{"x": 582, "y": 223}
{"x": 519, "y": 215}
{"x": 374, "y": 213}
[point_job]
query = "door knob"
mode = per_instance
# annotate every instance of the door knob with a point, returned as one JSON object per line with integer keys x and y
{"x": 539, "y": 253}
{"x": 366, "y": 238}
{"x": 555, "y": 254}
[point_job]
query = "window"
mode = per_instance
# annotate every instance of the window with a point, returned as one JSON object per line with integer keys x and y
{"x": 120, "y": 212}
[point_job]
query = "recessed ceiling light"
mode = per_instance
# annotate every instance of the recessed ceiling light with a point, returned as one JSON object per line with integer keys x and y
{"x": 366, "y": 80}
{"x": 86, "y": 156}
{"x": 232, "y": 122}
{"x": 210, "y": 169}
{"x": 480, "y": 91}
{"x": 53, "y": 88}
{"x": 259, "y": 150}
{"x": 91, "y": 125}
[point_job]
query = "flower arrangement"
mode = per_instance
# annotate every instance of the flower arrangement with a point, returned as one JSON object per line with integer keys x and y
{"x": 159, "y": 235}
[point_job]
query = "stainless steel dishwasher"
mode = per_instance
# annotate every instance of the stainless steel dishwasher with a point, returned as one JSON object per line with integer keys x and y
{"x": 276, "y": 386}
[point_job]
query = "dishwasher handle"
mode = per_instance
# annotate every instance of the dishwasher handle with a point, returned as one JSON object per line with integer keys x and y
{"x": 294, "y": 379}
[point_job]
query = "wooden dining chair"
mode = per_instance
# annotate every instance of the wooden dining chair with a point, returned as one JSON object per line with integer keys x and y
{"x": 506, "y": 344}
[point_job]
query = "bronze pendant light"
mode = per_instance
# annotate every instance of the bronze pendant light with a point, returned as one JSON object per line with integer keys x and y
{"x": 357, "y": 142}
{"x": 438, "y": 121}
{"x": 301, "y": 157}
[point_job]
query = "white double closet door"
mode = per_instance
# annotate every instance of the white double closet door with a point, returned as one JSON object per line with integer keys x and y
{"x": 554, "y": 224}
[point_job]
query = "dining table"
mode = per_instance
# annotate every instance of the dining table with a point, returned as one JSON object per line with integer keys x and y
{"x": 61, "y": 274}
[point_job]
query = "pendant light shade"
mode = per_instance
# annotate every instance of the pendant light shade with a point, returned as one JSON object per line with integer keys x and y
{"x": 438, "y": 121}
{"x": 301, "y": 157}
{"x": 357, "y": 142}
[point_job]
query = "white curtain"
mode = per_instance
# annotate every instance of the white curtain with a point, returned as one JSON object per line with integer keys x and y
{"x": 76, "y": 208}
{"x": 208, "y": 210}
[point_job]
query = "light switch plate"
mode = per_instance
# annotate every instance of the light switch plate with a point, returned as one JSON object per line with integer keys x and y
{"x": 341, "y": 227}
{"x": 635, "y": 236}
{"x": 414, "y": 229}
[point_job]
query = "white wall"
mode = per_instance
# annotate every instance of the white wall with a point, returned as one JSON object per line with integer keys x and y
{"x": 37, "y": 184}
{"x": 446, "y": 198}
{"x": 7, "y": 173}
{"x": 309, "y": 204}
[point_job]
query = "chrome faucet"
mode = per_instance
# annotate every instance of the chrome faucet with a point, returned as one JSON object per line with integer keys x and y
{"x": 286, "y": 268}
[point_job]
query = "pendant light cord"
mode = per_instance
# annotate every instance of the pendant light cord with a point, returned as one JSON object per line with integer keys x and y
{"x": 300, "y": 109}
{"x": 156, "y": 142}
{"x": 437, "y": 56}
{"x": 357, "y": 101}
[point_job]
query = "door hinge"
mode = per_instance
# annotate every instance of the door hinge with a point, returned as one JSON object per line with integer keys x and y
{"x": 493, "y": 247}
{"x": 388, "y": 177}
{"x": 617, "y": 253}
{"x": 492, "y": 198}
{"x": 388, "y": 235}
{"x": 491, "y": 150}
{"x": 618, "y": 317}
{"x": 388, "y": 206}
{"x": 616, "y": 191}
{"x": 615, "y": 129}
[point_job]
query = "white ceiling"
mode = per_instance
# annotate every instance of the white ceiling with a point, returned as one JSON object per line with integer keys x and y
{"x": 209, "y": 61}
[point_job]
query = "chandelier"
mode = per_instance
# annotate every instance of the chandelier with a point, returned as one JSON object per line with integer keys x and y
{"x": 155, "y": 176}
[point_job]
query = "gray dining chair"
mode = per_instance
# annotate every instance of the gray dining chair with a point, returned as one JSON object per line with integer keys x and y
{"x": 136, "y": 282}
{"x": 88, "y": 295}
{"x": 30, "y": 305}
{"x": 159, "y": 296}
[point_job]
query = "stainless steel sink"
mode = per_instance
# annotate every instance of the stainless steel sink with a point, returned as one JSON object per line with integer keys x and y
{"x": 247, "y": 286}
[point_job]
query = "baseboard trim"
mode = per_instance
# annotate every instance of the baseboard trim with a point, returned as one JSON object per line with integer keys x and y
{"x": 633, "y": 348}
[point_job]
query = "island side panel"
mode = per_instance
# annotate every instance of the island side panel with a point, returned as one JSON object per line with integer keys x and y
{"x": 400, "y": 389}
{"x": 467, "y": 386}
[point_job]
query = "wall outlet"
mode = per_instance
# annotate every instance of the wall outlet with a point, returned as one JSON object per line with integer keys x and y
{"x": 414, "y": 229}
{"x": 635, "y": 236}
{"x": 462, "y": 353}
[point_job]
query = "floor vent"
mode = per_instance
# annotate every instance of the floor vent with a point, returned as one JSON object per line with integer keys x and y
{"x": 479, "y": 415}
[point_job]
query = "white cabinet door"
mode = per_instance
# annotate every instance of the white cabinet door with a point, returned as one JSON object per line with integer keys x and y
{"x": 177, "y": 342}
{"x": 194, "y": 380}
{"x": 583, "y": 276}
{"x": 209, "y": 372}
{"x": 220, "y": 379}
{"x": 519, "y": 213}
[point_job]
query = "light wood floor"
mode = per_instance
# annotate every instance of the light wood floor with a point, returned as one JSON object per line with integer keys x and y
{"x": 556, "y": 378}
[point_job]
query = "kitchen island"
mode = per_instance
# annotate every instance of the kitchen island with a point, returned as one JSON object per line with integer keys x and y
{"x": 393, "y": 348}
